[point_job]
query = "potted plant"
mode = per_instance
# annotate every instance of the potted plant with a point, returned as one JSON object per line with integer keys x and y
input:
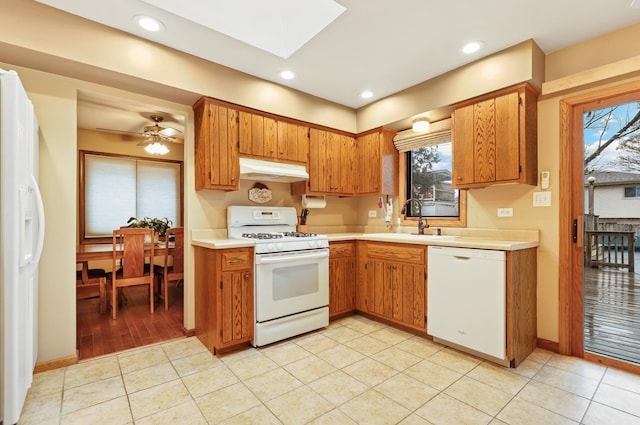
{"x": 159, "y": 225}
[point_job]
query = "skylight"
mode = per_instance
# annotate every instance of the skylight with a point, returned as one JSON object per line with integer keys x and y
{"x": 279, "y": 27}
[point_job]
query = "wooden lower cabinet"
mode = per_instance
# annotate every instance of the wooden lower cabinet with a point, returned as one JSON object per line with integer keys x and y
{"x": 342, "y": 278}
{"x": 224, "y": 315}
{"x": 392, "y": 282}
{"x": 522, "y": 304}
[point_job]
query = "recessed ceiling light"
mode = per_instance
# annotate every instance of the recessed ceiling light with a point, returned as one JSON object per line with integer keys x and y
{"x": 288, "y": 75}
{"x": 367, "y": 94}
{"x": 148, "y": 23}
{"x": 472, "y": 47}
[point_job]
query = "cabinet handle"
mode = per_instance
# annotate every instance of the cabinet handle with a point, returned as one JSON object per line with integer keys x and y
{"x": 246, "y": 276}
{"x": 459, "y": 178}
{"x": 235, "y": 261}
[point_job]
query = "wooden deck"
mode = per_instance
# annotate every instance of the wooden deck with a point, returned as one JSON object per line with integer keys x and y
{"x": 612, "y": 313}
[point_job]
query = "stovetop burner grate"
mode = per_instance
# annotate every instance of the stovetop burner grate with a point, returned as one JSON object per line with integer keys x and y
{"x": 299, "y": 234}
{"x": 263, "y": 235}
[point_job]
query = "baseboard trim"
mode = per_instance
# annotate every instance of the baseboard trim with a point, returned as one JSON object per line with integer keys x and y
{"x": 55, "y": 364}
{"x": 189, "y": 332}
{"x": 545, "y": 344}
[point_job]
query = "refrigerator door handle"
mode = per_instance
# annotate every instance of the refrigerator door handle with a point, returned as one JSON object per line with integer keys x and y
{"x": 40, "y": 213}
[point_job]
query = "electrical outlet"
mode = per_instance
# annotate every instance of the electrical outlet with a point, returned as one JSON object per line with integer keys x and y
{"x": 505, "y": 212}
{"x": 373, "y": 213}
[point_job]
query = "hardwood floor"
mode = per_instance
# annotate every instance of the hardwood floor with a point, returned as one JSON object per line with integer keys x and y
{"x": 135, "y": 326}
{"x": 612, "y": 313}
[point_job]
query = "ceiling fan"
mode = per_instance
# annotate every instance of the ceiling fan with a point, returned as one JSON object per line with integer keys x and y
{"x": 153, "y": 133}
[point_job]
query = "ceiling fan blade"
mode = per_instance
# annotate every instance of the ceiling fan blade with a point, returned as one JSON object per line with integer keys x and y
{"x": 128, "y": 133}
{"x": 169, "y": 132}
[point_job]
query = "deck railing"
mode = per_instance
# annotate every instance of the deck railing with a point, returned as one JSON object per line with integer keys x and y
{"x": 614, "y": 249}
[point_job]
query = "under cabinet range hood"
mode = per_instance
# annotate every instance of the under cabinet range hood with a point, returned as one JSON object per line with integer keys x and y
{"x": 255, "y": 169}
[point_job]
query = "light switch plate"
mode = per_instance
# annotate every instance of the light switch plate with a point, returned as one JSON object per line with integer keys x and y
{"x": 542, "y": 199}
{"x": 373, "y": 213}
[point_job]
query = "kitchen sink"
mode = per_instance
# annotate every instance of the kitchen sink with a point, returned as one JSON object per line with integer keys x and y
{"x": 411, "y": 236}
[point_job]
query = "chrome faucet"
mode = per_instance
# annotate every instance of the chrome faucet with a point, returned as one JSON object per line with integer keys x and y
{"x": 421, "y": 224}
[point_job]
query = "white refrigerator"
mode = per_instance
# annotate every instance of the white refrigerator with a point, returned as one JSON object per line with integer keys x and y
{"x": 21, "y": 240}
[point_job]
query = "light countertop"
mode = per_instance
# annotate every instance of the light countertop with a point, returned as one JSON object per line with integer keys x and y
{"x": 212, "y": 241}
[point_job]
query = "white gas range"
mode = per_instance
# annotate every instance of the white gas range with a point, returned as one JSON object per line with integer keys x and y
{"x": 291, "y": 272}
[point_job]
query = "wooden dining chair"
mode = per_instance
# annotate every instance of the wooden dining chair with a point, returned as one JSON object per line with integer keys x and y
{"x": 175, "y": 271}
{"x": 91, "y": 283}
{"x": 133, "y": 270}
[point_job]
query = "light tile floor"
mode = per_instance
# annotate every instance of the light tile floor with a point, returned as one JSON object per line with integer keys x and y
{"x": 356, "y": 371}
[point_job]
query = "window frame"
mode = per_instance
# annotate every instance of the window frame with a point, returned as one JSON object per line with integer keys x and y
{"x": 83, "y": 240}
{"x": 460, "y": 221}
{"x": 635, "y": 196}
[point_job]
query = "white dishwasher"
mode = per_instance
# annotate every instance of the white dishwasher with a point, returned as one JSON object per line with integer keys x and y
{"x": 467, "y": 299}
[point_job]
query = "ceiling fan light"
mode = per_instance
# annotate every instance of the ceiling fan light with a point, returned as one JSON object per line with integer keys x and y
{"x": 420, "y": 125}
{"x": 156, "y": 148}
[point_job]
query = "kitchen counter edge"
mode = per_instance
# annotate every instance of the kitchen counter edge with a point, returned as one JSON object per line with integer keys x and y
{"x": 458, "y": 241}
{"x": 212, "y": 243}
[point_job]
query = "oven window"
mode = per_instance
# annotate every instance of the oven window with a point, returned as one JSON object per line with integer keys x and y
{"x": 295, "y": 281}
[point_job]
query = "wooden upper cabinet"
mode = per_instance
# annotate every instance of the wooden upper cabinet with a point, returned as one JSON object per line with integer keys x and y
{"x": 495, "y": 139}
{"x": 270, "y": 138}
{"x": 216, "y": 146}
{"x": 292, "y": 142}
{"x": 318, "y": 165}
{"x": 304, "y": 134}
{"x": 273, "y": 139}
{"x": 258, "y": 135}
{"x": 377, "y": 163}
{"x": 343, "y": 165}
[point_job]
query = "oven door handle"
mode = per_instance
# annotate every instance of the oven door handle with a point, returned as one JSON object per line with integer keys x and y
{"x": 291, "y": 258}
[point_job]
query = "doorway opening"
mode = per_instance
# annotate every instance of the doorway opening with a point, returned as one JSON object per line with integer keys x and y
{"x": 574, "y": 210}
{"x": 611, "y": 167}
{"x": 118, "y": 130}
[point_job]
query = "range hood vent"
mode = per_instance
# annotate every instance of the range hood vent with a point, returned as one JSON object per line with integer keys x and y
{"x": 254, "y": 169}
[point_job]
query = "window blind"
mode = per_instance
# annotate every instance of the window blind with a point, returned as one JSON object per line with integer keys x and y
{"x": 439, "y": 132}
{"x": 119, "y": 188}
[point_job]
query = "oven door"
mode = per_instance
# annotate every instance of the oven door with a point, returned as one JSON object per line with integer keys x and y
{"x": 291, "y": 282}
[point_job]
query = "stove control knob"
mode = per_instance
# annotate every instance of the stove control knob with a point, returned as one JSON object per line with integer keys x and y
{"x": 279, "y": 246}
{"x": 313, "y": 244}
{"x": 271, "y": 247}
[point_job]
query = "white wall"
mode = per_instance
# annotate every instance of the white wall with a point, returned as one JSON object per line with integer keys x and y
{"x": 55, "y": 100}
{"x": 609, "y": 202}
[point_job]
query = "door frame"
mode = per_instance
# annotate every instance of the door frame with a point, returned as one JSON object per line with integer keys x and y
{"x": 571, "y": 258}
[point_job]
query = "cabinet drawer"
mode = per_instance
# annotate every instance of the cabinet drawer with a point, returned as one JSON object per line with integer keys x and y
{"x": 236, "y": 260}
{"x": 341, "y": 249}
{"x": 405, "y": 253}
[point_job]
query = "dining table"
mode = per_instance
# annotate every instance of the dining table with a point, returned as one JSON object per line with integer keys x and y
{"x": 104, "y": 251}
